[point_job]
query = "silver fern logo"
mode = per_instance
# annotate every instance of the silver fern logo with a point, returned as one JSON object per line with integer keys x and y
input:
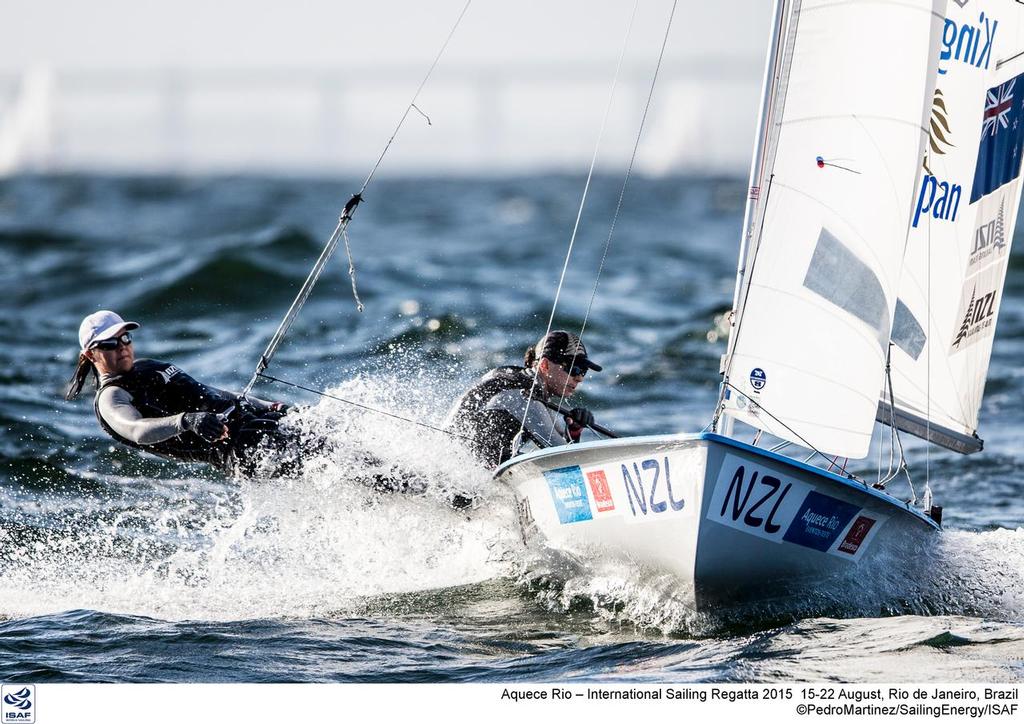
{"x": 965, "y": 325}
{"x": 989, "y": 241}
{"x": 939, "y": 133}
{"x": 978, "y": 318}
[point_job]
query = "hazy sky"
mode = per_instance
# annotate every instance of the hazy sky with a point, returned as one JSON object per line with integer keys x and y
{"x": 232, "y": 33}
{"x": 522, "y": 85}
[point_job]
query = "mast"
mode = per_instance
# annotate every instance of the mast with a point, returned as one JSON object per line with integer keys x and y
{"x": 757, "y": 164}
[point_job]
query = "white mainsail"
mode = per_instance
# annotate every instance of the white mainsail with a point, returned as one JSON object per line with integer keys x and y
{"x": 961, "y": 229}
{"x": 844, "y": 132}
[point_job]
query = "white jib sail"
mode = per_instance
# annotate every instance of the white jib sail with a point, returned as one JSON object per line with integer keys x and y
{"x": 962, "y": 226}
{"x": 845, "y": 136}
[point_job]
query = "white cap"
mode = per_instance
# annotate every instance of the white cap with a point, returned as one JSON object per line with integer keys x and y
{"x": 101, "y": 325}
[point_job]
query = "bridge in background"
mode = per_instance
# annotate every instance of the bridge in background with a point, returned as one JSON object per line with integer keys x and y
{"x": 333, "y": 121}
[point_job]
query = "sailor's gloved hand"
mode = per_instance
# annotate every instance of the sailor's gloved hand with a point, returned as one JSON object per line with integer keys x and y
{"x": 281, "y": 407}
{"x": 204, "y": 424}
{"x": 577, "y": 419}
{"x": 581, "y": 416}
{"x": 460, "y": 501}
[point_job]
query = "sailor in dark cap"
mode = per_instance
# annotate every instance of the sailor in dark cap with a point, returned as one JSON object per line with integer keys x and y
{"x": 492, "y": 411}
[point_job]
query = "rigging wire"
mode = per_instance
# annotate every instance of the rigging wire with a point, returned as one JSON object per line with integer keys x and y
{"x": 882, "y": 480}
{"x": 412, "y": 104}
{"x": 622, "y": 190}
{"x": 579, "y": 212}
{"x": 895, "y": 440}
{"x": 351, "y": 269}
{"x": 369, "y": 408}
{"x": 928, "y": 383}
{"x": 814, "y": 451}
{"x": 878, "y": 427}
{"x": 340, "y": 230}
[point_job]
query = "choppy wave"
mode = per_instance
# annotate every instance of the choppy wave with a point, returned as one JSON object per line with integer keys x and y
{"x": 321, "y": 577}
{"x": 288, "y": 547}
{"x": 181, "y": 548}
{"x": 965, "y": 574}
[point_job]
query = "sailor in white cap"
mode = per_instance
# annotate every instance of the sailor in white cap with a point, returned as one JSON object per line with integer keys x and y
{"x": 154, "y": 406}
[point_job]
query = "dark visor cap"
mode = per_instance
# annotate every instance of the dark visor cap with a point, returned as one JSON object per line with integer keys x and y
{"x": 565, "y": 348}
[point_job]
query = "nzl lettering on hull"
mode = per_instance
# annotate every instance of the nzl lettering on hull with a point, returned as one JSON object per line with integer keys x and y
{"x": 754, "y": 500}
{"x": 648, "y": 485}
{"x": 636, "y": 489}
{"x": 771, "y": 505}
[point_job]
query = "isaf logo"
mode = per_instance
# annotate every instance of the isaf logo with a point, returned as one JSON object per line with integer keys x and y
{"x": 18, "y": 703}
{"x": 20, "y": 700}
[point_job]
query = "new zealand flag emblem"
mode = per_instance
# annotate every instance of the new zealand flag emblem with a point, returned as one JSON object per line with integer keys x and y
{"x": 1002, "y": 135}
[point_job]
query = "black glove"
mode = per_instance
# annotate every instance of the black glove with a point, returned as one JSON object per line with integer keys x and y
{"x": 577, "y": 419}
{"x": 204, "y": 424}
{"x": 581, "y": 416}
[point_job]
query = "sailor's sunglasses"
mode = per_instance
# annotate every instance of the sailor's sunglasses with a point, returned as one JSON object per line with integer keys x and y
{"x": 113, "y": 343}
{"x": 572, "y": 369}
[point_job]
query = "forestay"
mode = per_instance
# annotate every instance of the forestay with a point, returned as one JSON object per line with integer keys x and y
{"x": 844, "y": 133}
{"x": 964, "y": 214}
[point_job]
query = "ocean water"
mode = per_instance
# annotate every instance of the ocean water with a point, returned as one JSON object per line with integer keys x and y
{"x": 124, "y": 568}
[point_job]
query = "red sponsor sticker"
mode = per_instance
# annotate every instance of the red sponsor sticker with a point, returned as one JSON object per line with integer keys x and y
{"x": 858, "y": 532}
{"x": 602, "y": 492}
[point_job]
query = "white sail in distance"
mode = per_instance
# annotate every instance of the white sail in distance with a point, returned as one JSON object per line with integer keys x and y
{"x": 844, "y": 133}
{"x": 962, "y": 227}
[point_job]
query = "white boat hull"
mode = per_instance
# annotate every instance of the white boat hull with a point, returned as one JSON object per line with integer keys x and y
{"x": 733, "y": 522}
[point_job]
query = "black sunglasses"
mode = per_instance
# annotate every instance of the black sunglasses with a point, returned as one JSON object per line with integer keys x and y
{"x": 114, "y": 343}
{"x": 573, "y": 370}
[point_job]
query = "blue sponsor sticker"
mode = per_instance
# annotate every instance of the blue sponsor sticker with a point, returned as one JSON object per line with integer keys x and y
{"x": 569, "y": 493}
{"x": 758, "y": 379}
{"x": 819, "y": 521}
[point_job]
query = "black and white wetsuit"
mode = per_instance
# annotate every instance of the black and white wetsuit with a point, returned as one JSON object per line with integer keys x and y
{"x": 143, "y": 408}
{"x": 491, "y": 411}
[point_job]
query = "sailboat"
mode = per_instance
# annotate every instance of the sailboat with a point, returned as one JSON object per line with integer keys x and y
{"x": 883, "y": 196}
